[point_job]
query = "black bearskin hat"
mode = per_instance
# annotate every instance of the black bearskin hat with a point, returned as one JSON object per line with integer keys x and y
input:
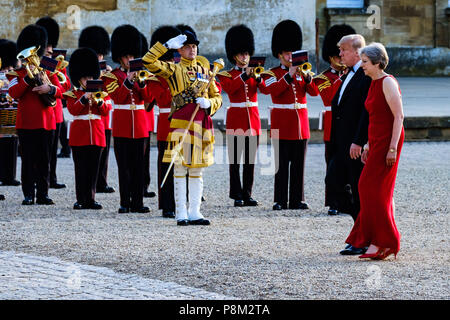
{"x": 52, "y": 28}
{"x": 286, "y": 36}
{"x": 8, "y": 53}
{"x": 333, "y": 36}
{"x": 162, "y": 35}
{"x": 190, "y": 33}
{"x": 239, "y": 39}
{"x": 144, "y": 45}
{"x": 96, "y": 38}
{"x": 83, "y": 63}
{"x": 125, "y": 40}
{"x": 32, "y": 36}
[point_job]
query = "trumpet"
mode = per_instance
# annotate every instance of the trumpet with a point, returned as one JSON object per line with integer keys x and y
{"x": 143, "y": 75}
{"x": 38, "y": 75}
{"x": 340, "y": 66}
{"x": 99, "y": 96}
{"x": 257, "y": 71}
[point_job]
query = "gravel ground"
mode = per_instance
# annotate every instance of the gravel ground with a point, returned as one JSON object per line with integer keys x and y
{"x": 251, "y": 253}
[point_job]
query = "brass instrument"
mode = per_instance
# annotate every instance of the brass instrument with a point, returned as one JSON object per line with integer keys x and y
{"x": 257, "y": 71}
{"x": 38, "y": 75}
{"x": 61, "y": 65}
{"x": 340, "y": 66}
{"x": 305, "y": 69}
{"x": 99, "y": 96}
{"x": 142, "y": 75}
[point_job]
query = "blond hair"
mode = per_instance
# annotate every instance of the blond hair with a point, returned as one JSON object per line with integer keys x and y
{"x": 357, "y": 40}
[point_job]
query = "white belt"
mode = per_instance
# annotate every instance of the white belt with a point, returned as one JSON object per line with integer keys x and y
{"x": 88, "y": 117}
{"x": 327, "y": 108}
{"x": 164, "y": 110}
{"x": 290, "y": 106}
{"x": 243, "y": 104}
{"x": 129, "y": 107}
{"x": 321, "y": 117}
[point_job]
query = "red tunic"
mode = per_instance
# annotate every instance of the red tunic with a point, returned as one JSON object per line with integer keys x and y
{"x": 160, "y": 91}
{"x": 328, "y": 83}
{"x": 243, "y": 114}
{"x": 289, "y": 115}
{"x": 31, "y": 112}
{"x": 375, "y": 223}
{"x": 129, "y": 116}
{"x": 87, "y": 128}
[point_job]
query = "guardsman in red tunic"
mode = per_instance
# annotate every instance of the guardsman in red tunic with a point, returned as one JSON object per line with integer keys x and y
{"x": 52, "y": 28}
{"x": 8, "y": 107}
{"x": 35, "y": 119}
{"x": 242, "y": 120}
{"x": 160, "y": 90}
{"x": 130, "y": 128}
{"x": 328, "y": 83}
{"x": 289, "y": 116}
{"x": 87, "y": 132}
{"x": 97, "y": 38}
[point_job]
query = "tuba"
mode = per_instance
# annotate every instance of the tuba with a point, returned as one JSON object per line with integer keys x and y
{"x": 38, "y": 75}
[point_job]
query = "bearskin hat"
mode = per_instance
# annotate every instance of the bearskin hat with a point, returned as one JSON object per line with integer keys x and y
{"x": 8, "y": 53}
{"x": 239, "y": 39}
{"x": 83, "y": 63}
{"x": 33, "y": 36}
{"x": 52, "y": 28}
{"x": 144, "y": 45}
{"x": 332, "y": 37}
{"x": 125, "y": 40}
{"x": 96, "y": 38}
{"x": 286, "y": 36}
{"x": 190, "y": 33}
{"x": 162, "y": 35}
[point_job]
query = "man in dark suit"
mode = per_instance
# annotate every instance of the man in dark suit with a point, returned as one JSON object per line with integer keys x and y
{"x": 349, "y": 127}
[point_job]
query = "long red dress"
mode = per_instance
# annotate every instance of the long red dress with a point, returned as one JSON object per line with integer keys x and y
{"x": 375, "y": 223}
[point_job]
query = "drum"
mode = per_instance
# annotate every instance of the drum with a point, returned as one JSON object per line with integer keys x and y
{"x": 8, "y": 121}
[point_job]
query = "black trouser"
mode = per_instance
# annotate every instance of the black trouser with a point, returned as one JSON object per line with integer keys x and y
{"x": 65, "y": 148}
{"x": 239, "y": 146}
{"x": 54, "y": 154}
{"x": 103, "y": 168}
{"x": 35, "y": 151}
{"x": 147, "y": 162}
{"x": 289, "y": 165}
{"x": 130, "y": 162}
{"x": 8, "y": 158}
{"x": 328, "y": 190}
{"x": 86, "y": 161}
{"x": 166, "y": 197}
{"x": 342, "y": 178}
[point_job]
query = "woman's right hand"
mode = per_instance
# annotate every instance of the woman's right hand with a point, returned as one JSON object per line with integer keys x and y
{"x": 364, "y": 156}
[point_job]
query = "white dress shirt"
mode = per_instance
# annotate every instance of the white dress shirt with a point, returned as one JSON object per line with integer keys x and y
{"x": 349, "y": 77}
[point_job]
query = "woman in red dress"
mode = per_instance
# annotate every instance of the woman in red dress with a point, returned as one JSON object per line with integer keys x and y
{"x": 375, "y": 227}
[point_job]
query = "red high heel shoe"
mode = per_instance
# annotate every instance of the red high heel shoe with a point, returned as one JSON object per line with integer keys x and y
{"x": 381, "y": 254}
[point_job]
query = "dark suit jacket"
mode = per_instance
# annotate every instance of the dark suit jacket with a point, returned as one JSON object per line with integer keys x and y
{"x": 350, "y": 120}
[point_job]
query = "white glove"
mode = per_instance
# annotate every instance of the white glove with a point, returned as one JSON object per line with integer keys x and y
{"x": 204, "y": 103}
{"x": 176, "y": 42}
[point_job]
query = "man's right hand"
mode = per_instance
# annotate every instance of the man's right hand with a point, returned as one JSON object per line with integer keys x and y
{"x": 176, "y": 42}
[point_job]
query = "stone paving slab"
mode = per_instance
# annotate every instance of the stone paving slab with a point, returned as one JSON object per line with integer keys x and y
{"x": 29, "y": 277}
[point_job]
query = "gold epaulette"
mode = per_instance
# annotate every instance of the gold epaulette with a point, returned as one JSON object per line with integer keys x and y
{"x": 153, "y": 78}
{"x": 269, "y": 73}
{"x": 201, "y": 60}
{"x": 70, "y": 94}
{"x": 224, "y": 74}
{"x": 322, "y": 76}
{"x": 12, "y": 73}
{"x": 110, "y": 75}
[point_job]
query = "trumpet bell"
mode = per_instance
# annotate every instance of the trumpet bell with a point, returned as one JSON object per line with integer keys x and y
{"x": 99, "y": 96}
{"x": 258, "y": 70}
{"x": 28, "y": 52}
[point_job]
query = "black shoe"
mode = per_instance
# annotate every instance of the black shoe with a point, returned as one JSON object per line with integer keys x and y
{"x": 95, "y": 206}
{"x": 13, "y": 183}
{"x": 168, "y": 214}
{"x": 182, "y": 222}
{"x": 63, "y": 155}
{"x": 28, "y": 201}
{"x": 150, "y": 194}
{"x": 106, "y": 189}
{"x": 238, "y": 203}
{"x": 300, "y": 206}
{"x": 351, "y": 251}
{"x": 199, "y": 222}
{"x": 250, "y": 202}
{"x": 2, "y": 197}
{"x": 140, "y": 210}
{"x": 57, "y": 185}
{"x": 124, "y": 210}
{"x": 79, "y": 206}
{"x": 333, "y": 212}
{"x": 45, "y": 201}
{"x": 279, "y": 206}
